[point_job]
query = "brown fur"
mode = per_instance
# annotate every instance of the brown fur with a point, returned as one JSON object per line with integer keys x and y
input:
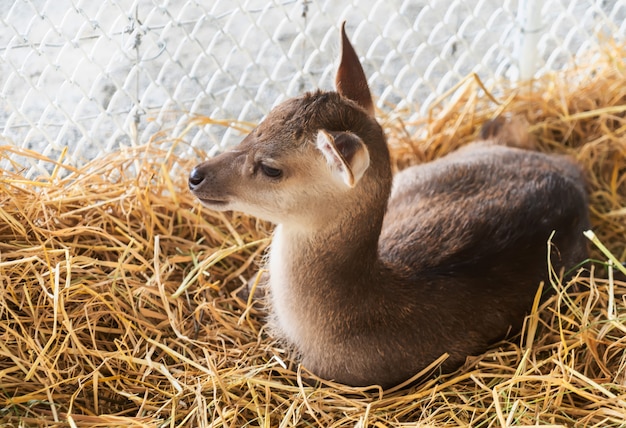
{"x": 371, "y": 283}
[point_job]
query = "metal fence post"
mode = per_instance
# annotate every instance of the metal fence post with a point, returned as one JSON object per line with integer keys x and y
{"x": 529, "y": 16}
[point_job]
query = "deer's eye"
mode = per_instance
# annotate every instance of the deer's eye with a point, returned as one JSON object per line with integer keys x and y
{"x": 269, "y": 171}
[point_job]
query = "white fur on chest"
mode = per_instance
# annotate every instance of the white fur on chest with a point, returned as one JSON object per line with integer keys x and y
{"x": 286, "y": 316}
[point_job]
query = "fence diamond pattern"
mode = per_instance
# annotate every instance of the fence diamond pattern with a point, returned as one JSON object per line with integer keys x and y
{"x": 89, "y": 77}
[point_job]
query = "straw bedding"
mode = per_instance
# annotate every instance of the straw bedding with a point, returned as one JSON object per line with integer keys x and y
{"x": 118, "y": 303}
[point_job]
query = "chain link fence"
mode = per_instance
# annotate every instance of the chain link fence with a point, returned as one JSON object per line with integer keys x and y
{"x": 89, "y": 77}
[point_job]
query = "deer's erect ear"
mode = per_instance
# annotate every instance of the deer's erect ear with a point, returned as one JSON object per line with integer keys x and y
{"x": 346, "y": 154}
{"x": 350, "y": 80}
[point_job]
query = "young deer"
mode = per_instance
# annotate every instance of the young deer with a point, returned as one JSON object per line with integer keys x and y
{"x": 372, "y": 281}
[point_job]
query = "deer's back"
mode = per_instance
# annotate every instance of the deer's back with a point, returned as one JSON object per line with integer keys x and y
{"x": 482, "y": 203}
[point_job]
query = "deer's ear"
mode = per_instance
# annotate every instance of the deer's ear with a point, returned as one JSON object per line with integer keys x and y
{"x": 350, "y": 80}
{"x": 346, "y": 155}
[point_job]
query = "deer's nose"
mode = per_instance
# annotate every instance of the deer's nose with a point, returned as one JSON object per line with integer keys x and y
{"x": 195, "y": 178}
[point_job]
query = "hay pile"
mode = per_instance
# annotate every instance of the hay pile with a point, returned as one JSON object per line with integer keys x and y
{"x": 118, "y": 304}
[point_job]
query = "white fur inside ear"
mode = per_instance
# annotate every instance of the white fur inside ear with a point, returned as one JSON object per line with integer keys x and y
{"x": 346, "y": 155}
{"x": 360, "y": 161}
{"x": 335, "y": 160}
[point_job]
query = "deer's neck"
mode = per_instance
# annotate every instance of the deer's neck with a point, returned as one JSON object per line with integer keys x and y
{"x": 342, "y": 251}
{"x": 315, "y": 277}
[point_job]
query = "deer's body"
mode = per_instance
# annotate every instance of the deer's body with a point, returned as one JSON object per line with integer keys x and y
{"x": 372, "y": 279}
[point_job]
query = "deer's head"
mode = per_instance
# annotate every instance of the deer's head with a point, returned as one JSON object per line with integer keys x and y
{"x": 309, "y": 156}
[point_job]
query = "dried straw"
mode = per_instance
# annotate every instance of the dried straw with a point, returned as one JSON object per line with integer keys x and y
{"x": 118, "y": 299}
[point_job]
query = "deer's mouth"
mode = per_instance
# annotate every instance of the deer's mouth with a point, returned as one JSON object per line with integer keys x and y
{"x": 212, "y": 203}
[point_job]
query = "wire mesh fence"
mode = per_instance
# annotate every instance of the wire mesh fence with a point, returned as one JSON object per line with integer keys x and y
{"x": 89, "y": 77}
